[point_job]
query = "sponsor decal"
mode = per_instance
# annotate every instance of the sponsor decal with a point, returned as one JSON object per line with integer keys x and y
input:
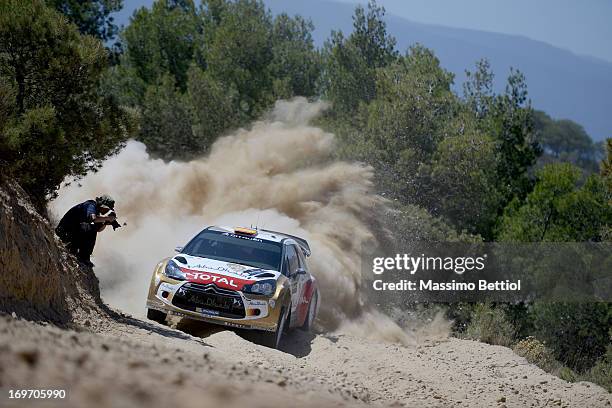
{"x": 213, "y": 268}
{"x": 228, "y": 234}
{"x": 167, "y": 287}
{"x": 221, "y": 281}
{"x": 256, "y": 302}
{"x": 207, "y": 312}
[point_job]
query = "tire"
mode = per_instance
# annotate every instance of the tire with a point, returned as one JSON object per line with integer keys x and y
{"x": 273, "y": 339}
{"x": 312, "y": 313}
{"x": 156, "y": 316}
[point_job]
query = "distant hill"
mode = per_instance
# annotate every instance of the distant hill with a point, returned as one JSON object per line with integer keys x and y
{"x": 560, "y": 82}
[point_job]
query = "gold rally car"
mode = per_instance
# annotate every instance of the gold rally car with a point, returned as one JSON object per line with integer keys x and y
{"x": 238, "y": 277}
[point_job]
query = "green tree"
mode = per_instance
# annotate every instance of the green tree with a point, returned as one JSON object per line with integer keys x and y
{"x": 577, "y": 333}
{"x": 559, "y": 209}
{"x": 398, "y": 131}
{"x": 157, "y": 42}
{"x": 295, "y": 65}
{"x": 565, "y": 141}
{"x": 57, "y": 123}
{"x": 464, "y": 184}
{"x": 350, "y": 63}
{"x": 478, "y": 88}
{"x": 92, "y": 17}
{"x": 213, "y": 109}
{"x": 508, "y": 118}
{"x": 166, "y": 125}
{"x": 237, "y": 49}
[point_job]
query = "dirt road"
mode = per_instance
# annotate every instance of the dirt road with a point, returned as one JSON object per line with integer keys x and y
{"x": 126, "y": 362}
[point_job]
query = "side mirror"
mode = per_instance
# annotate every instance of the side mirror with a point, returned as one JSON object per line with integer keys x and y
{"x": 178, "y": 249}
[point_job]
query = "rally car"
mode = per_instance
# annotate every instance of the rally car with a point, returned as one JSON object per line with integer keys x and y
{"x": 238, "y": 277}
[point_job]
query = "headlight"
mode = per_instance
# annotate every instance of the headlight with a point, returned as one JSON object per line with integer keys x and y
{"x": 266, "y": 288}
{"x": 173, "y": 271}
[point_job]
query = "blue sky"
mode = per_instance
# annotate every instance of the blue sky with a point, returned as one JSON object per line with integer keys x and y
{"x": 581, "y": 26}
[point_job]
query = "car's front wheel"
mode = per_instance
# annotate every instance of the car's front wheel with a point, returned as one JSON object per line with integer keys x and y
{"x": 273, "y": 339}
{"x": 156, "y": 316}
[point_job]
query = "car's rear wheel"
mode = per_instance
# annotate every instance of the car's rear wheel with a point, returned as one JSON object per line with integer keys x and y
{"x": 273, "y": 339}
{"x": 312, "y": 313}
{"x": 156, "y": 316}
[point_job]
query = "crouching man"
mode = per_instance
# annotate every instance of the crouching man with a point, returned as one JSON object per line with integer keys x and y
{"x": 79, "y": 227}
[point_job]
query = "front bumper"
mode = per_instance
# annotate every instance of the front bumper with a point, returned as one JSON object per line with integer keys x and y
{"x": 213, "y": 305}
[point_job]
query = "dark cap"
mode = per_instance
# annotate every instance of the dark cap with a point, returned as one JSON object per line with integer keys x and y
{"x": 106, "y": 201}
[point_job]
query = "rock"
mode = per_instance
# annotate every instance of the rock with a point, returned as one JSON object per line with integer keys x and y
{"x": 30, "y": 356}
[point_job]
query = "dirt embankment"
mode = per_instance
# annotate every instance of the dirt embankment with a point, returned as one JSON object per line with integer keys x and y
{"x": 39, "y": 280}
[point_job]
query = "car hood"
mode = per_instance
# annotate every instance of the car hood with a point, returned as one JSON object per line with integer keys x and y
{"x": 226, "y": 275}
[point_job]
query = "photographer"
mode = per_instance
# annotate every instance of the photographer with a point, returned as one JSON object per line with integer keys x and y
{"x": 79, "y": 227}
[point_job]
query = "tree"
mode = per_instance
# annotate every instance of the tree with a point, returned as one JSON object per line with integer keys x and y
{"x": 350, "y": 63}
{"x": 213, "y": 109}
{"x": 508, "y": 118}
{"x": 92, "y": 17}
{"x": 157, "y": 42}
{"x": 606, "y": 174}
{"x": 166, "y": 125}
{"x": 237, "y": 49}
{"x": 57, "y": 123}
{"x": 463, "y": 182}
{"x": 295, "y": 65}
{"x": 559, "y": 209}
{"x": 565, "y": 141}
{"x": 478, "y": 88}
{"x": 403, "y": 124}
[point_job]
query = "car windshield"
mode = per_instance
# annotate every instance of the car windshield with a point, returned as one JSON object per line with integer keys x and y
{"x": 228, "y": 247}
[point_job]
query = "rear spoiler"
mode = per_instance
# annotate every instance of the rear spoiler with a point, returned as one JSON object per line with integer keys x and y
{"x": 301, "y": 241}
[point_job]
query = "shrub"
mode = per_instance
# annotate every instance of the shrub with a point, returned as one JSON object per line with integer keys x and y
{"x": 577, "y": 333}
{"x": 537, "y": 353}
{"x": 601, "y": 372}
{"x": 490, "y": 325}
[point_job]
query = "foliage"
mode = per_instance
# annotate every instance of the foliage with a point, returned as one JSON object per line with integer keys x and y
{"x": 228, "y": 61}
{"x": 489, "y": 324}
{"x": 577, "y": 333}
{"x": 565, "y": 141}
{"x": 537, "y": 353}
{"x": 508, "y": 118}
{"x": 409, "y": 224}
{"x": 601, "y": 372}
{"x": 56, "y": 122}
{"x": 212, "y": 107}
{"x": 559, "y": 209}
{"x": 160, "y": 41}
{"x": 92, "y": 17}
{"x": 166, "y": 122}
{"x": 237, "y": 49}
{"x": 350, "y": 63}
{"x": 296, "y": 64}
{"x": 463, "y": 168}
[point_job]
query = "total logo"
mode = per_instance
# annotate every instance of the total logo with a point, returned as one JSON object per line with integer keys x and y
{"x": 202, "y": 276}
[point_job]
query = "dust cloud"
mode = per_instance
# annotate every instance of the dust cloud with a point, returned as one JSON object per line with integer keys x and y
{"x": 278, "y": 174}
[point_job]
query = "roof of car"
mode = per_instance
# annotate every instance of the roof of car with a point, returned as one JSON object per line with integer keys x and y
{"x": 268, "y": 235}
